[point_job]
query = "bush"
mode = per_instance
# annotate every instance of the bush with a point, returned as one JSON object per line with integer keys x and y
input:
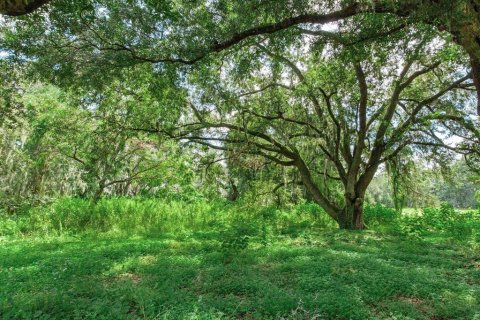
{"x": 412, "y": 227}
{"x": 379, "y": 215}
{"x": 458, "y": 225}
{"x": 236, "y": 224}
{"x": 237, "y": 237}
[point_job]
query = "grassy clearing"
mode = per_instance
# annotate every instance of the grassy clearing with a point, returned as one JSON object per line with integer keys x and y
{"x": 332, "y": 275}
{"x": 279, "y": 264}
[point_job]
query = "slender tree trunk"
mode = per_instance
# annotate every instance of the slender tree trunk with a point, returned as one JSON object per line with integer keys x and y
{"x": 233, "y": 193}
{"x": 99, "y": 192}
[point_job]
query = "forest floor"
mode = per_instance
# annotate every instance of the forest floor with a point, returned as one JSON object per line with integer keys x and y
{"x": 319, "y": 275}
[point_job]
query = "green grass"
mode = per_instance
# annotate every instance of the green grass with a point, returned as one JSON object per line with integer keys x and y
{"x": 249, "y": 264}
{"x": 332, "y": 275}
{"x": 144, "y": 216}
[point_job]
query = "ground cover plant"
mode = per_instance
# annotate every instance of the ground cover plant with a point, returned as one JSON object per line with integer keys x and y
{"x": 218, "y": 261}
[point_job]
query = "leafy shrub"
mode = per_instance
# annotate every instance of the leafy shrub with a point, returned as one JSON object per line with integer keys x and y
{"x": 310, "y": 211}
{"x": 237, "y": 237}
{"x": 412, "y": 227}
{"x": 439, "y": 218}
{"x": 269, "y": 213}
{"x": 8, "y": 226}
{"x": 378, "y": 214}
{"x": 236, "y": 225}
{"x": 447, "y": 220}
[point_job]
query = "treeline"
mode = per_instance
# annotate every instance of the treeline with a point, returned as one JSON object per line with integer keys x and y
{"x": 426, "y": 185}
{"x": 55, "y": 146}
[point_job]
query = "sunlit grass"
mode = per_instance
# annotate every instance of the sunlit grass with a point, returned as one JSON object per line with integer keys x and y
{"x": 148, "y": 259}
{"x": 332, "y": 275}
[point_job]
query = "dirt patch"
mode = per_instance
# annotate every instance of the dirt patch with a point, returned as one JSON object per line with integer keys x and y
{"x": 135, "y": 278}
{"x": 417, "y": 303}
{"x": 473, "y": 264}
{"x": 411, "y": 300}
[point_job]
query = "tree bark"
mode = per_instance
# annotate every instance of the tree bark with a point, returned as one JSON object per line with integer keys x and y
{"x": 351, "y": 216}
{"x": 233, "y": 193}
{"x": 99, "y": 192}
{"x": 20, "y": 7}
{"x": 312, "y": 188}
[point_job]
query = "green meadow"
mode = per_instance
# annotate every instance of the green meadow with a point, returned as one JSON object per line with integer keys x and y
{"x": 72, "y": 260}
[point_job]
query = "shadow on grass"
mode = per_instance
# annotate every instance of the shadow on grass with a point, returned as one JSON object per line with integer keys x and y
{"x": 324, "y": 276}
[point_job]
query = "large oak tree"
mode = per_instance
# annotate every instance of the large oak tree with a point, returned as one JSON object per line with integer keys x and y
{"x": 357, "y": 107}
{"x": 348, "y": 102}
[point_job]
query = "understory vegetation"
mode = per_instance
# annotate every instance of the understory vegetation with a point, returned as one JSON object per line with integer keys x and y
{"x": 151, "y": 216}
{"x": 144, "y": 258}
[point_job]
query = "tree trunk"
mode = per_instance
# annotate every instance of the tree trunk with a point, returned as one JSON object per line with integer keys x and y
{"x": 99, "y": 192}
{"x": 351, "y": 216}
{"x": 233, "y": 193}
{"x": 20, "y": 7}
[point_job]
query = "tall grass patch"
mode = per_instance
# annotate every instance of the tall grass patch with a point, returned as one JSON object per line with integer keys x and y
{"x": 137, "y": 216}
